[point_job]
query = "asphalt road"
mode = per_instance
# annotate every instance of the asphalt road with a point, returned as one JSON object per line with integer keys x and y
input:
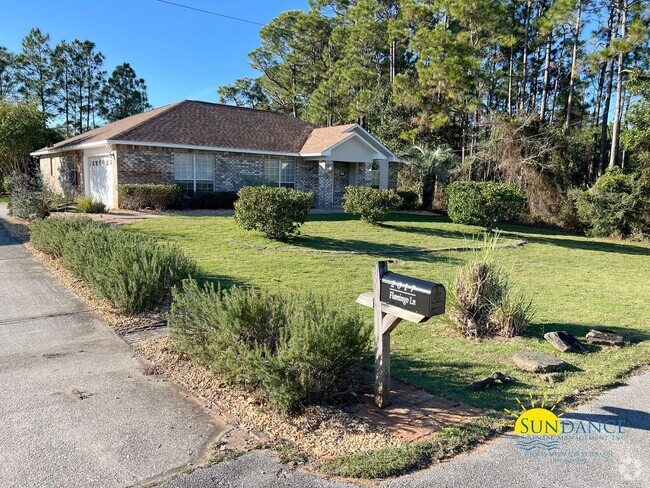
{"x": 75, "y": 406}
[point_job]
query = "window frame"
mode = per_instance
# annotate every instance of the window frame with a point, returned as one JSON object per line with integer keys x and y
{"x": 375, "y": 173}
{"x": 282, "y": 181}
{"x": 193, "y": 181}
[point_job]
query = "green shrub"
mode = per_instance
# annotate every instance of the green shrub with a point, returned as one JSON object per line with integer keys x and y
{"x": 484, "y": 203}
{"x": 410, "y": 200}
{"x": 133, "y": 272}
{"x": 28, "y": 198}
{"x": 212, "y": 200}
{"x": 276, "y": 212}
{"x": 6, "y": 185}
{"x": 293, "y": 350}
{"x": 149, "y": 196}
{"x": 50, "y": 235}
{"x": 483, "y": 300}
{"x": 371, "y": 204}
{"x": 614, "y": 206}
{"x": 88, "y": 205}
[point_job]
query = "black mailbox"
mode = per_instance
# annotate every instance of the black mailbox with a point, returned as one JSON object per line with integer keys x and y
{"x": 419, "y": 296}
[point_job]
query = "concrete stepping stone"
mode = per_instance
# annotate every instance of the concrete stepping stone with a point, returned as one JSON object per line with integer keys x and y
{"x": 604, "y": 338}
{"x": 564, "y": 342}
{"x": 538, "y": 362}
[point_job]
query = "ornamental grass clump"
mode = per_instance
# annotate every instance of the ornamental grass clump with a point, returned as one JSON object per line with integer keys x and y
{"x": 88, "y": 205}
{"x": 290, "y": 349}
{"x": 484, "y": 302}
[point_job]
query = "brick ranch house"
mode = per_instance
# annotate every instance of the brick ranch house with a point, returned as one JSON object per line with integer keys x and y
{"x": 212, "y": 147}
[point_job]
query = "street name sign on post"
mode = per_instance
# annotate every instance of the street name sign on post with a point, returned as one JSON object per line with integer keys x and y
{"x": 395, "y": 298}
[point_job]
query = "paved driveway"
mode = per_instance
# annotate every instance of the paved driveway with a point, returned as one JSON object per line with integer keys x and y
{"x": 75, "y": 406}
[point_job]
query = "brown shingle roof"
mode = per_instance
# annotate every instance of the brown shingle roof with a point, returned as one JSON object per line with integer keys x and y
{"x": 193, "y": 123}
{"x": 325, "y": 137}
{"x": 110, "y": 131}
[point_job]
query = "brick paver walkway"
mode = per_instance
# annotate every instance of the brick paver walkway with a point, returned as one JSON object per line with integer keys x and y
{"x": 414, "y": 414}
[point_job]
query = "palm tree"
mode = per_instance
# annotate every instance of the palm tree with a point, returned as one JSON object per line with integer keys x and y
{"x": 431, "y": 165}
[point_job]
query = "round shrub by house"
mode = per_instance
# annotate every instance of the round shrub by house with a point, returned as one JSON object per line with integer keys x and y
{"x": 372, "y": 205}
{"x": 277, "y": 213}
{"x": 484, "y": 202}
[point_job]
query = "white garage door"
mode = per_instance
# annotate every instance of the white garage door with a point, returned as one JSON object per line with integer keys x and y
{"x": 100, "y": 179}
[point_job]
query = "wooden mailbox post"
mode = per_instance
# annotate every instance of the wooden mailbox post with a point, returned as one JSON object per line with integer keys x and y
{"x": 395, "y": 298}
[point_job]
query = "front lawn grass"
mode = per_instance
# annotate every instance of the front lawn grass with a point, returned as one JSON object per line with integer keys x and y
{"x": 577, "y": 284}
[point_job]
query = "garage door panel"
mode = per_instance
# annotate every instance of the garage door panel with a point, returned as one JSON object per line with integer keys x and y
{"x": 100, "y": 178}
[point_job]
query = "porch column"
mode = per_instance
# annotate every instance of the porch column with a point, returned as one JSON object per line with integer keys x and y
{"x": 325, "y": 184}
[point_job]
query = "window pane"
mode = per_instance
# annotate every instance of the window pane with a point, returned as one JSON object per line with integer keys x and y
{"x": 187, "y": 185}
{"x": 374, "y": 175}
{"x": 272, "y": 171}
{"x": 204, "y": 167}
{"x": 183, "y": 167}
{"x": 288, "y": 173}
{"x": 207, "y": 185}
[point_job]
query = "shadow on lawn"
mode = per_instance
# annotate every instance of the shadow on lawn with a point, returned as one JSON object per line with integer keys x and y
{"x": 632, "y": 336}
{"x": 463, "y": 237}
{"x": 220, "y": 280}
{"x": 451, "y": 379}
{"x": 390, "y": 251}
{"x": 572, "y": 241}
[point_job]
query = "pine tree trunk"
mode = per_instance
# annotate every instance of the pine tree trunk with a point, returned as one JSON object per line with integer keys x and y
{"x": 603, "y": 72}
{"x": 547, "y": 70}
{"x": 560, "y": 62}
{"x": 613, "y": 153}
{"x": 605, "y": 117}
{"x": 574, "y": 74}
{"x": 510, "y": 63}
{"x": 524, "y": 62}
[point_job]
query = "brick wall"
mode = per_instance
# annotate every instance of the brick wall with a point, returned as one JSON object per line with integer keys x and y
{"x": 392, "y": 175}
{"x": 144, "y": 164}
{"x": 57, "y": 173}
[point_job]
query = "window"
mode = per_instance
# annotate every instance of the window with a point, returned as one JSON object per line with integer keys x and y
{"x": 281, "y": 173}
{"x": 72, "y": 175}
{"x": 194, "y": 172}
{"x": 374, "y": 175}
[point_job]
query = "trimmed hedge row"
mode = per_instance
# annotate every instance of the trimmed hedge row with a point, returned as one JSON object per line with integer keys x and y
{"x": 291, "y": 349}
{"x": 133, "y": 272}
{"x": 149, "y": 196}
{"x": 212, "y": 200}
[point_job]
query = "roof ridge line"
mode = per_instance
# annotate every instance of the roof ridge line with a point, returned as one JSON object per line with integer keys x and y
{"x": 162, "y": 109}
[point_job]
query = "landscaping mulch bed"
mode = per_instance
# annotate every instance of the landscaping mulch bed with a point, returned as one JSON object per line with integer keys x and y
{"x": 318, "y": 432}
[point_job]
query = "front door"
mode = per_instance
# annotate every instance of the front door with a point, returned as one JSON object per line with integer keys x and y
{"x": 100, "y": 179}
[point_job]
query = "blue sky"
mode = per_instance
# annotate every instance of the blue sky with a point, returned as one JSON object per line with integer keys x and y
{"x": 181, "y": 54}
